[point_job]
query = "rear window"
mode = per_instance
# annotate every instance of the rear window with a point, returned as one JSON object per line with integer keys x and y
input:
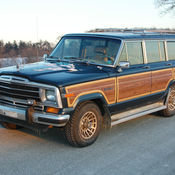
{"x": 171, "y": 50}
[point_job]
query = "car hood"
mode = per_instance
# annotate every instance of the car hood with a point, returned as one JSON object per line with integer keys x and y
{"x": 58, "y": 74}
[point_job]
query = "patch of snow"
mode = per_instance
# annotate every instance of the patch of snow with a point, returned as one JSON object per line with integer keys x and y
{"x": 5, "y": 62}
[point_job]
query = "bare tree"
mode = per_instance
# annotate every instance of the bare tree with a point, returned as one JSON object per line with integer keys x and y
{"x": 166, "y": 5}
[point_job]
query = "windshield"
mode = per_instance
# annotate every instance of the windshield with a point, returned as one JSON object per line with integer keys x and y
{"x": 87, "y": 49}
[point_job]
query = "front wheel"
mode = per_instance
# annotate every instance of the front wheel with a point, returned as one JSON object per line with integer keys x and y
{"x": 84, "y": 126}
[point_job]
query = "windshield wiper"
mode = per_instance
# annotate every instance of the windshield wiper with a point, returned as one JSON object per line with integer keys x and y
{"x": 53, "y": 58}
{"x": 73, "y": 58}
{"x": 79, "y": 60}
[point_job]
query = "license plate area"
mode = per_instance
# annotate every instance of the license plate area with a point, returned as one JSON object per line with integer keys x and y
{"x": 13, "y": 112}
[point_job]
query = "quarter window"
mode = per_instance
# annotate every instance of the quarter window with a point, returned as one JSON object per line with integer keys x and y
{"x": 171, "y": 50}
{"x": 124, "y": 55}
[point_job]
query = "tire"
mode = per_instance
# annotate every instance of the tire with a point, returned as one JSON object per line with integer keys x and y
{"x": 170, "y": 110}
{"x": 10, "y": 125}
{"x": 84, "y": 126}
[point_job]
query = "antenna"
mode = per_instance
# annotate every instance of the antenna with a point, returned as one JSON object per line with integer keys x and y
{"x": 37, "y": 37}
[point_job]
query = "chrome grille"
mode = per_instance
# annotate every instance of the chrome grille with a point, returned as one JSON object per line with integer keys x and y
{"x": 18, "y": 92}
{"x": 21, "y": 91}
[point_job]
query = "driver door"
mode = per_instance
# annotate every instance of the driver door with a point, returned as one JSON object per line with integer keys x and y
{"x": 133, "y": 83}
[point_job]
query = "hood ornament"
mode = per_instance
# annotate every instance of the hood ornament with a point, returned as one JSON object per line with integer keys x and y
{"x": 18, "y": 66}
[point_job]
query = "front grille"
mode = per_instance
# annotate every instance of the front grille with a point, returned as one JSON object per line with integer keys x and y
{"x": 15, "y": 91}
{"x": 19, "y": 91}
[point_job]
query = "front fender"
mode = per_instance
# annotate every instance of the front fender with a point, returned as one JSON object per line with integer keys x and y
{"x": 99, "y": 99}
{"x": 90, "y": 97}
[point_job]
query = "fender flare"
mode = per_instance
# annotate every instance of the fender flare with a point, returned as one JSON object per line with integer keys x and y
{"x": 172, "y": 82}
{"x": 101, "y": 102}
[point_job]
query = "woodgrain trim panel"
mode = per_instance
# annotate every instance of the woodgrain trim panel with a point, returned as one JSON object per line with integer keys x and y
{"x": 133, "y": 86}
{"x": 139, "y": 84}
{"x": 161, "y": 80}
{"x": 173, "y": 73}
{"x": 107, "y": 87}
{"x": 168, "y": 74}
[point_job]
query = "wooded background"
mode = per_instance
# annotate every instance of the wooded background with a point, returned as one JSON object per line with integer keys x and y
{"x": 24, "y": 49}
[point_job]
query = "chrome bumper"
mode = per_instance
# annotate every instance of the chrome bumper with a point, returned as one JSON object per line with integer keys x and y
{"x": 37, "y": 117}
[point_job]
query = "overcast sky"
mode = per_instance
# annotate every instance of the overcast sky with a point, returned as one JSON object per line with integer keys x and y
{"x": 32, "y": 20}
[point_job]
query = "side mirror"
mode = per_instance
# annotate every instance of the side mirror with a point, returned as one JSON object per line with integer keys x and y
{"x": 124, "y": 64}
{"x": 45, "y": 56}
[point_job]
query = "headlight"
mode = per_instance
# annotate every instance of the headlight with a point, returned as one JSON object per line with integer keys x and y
{"x": 50, "y": 95}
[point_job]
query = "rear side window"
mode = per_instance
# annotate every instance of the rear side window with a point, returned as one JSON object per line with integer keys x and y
{"x": 155, "y": 51}
{"x": 132, "y": 52}
{"x": 171, "y": 50}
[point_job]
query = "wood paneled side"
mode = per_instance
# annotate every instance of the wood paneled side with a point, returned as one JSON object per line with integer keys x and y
{"x": 133, "y": 86}
{"x": 106, "y": 87}
{"x": 173, "y": 73}
{"x": 161, "y": 79}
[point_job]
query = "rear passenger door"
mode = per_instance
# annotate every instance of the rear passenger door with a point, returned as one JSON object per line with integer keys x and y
{"x": 133, "y": 83}
{"x": 161, "y": 70}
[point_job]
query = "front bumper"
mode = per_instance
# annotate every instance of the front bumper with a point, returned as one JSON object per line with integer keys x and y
{"x": 35, "y": 117}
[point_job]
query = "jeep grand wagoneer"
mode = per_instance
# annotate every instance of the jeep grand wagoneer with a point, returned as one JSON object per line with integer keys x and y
{"x": 90, "y": 80}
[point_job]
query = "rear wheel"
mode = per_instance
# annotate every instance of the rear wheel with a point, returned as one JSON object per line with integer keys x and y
{"x": 84, "y": 126}
{"x": 10, "y": 125}
{"x": 170, "y": 110}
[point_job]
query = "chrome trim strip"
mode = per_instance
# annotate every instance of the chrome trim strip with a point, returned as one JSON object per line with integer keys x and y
{"x": 166, "y": 50}
{"x": 137, "y": 115}
{"x": 144, "y": 52}
{"x": 14, "y": 78}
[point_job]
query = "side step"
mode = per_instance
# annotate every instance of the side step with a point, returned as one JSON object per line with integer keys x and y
{"x": 135, "y": 113}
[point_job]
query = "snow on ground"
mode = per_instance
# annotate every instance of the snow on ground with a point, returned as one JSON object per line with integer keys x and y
{"x": 5, "y": 62}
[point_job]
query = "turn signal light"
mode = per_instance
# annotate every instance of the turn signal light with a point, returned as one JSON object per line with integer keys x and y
{"x": 52, "y": 110}
{"x": 69, "y": 95}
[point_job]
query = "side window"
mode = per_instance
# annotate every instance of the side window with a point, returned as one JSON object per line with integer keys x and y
{"x": 155, "y": 51}
{"x": 171, "y": 50}
{"x": 135, "y": 55}
{"x": 132, "y": 52}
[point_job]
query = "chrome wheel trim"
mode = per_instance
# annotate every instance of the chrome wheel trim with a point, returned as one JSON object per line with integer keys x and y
{"x": 171, "y": 100}
{"x": 88, "y": 125}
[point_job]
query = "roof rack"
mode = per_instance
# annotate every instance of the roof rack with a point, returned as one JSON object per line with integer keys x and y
{"x": 141, "y": 31}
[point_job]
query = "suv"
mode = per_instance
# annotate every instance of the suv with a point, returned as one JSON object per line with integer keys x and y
{"x": 90, "y": 80}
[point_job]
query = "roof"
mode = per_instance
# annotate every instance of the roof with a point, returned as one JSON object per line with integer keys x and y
{"x": 127, "y": 35}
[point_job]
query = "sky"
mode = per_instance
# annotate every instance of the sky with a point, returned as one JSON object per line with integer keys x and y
{"x": 34, "y": 20}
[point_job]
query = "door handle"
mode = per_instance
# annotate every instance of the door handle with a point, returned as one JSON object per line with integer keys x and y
{"x": 169, "y": 64}
{"x": 146, "y": 67}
